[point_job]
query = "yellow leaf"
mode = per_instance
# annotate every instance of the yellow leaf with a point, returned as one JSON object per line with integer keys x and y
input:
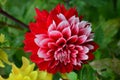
{"x": 1, "y": 64}
{"x": 33, "y": 75}
{"x": 26, "y": 78}
{"x": 64, "y": 76}
{"x": 4, "y": 57}
{"x": 1, "y": 78}
{"x": 25, "y": 63}
{"x": 27, "y": 72}
{"x": 15, "y": 70}
{"x": 44, "y": 75}
{"x": 2, "y": 38}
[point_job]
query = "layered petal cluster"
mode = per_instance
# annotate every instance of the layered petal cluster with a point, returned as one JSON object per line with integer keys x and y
{"x": 27, "y": 72}
{"x": 59, "y": 40}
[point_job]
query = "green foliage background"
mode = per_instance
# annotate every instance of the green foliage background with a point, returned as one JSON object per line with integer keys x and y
{"x": 104, "y": 16}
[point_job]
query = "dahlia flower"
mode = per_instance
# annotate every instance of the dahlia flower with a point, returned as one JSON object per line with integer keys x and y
{"x": 27, "y": 72}
{"x": 59, "y": 40}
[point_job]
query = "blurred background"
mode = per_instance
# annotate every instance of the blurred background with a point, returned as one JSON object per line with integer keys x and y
{"x": 103, "y": 14}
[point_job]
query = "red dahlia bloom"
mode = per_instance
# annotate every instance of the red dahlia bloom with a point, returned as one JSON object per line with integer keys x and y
{"x": 59, "y": 41}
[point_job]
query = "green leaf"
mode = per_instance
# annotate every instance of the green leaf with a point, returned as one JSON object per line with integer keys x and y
{"x": 96, "y": 3}
{"x": 99, "y": 36}
{"x": 105, "y": 65}
{"x": 87, "y": 73}
{"x": 1, "y": 64}
{"x": 72, "y": 76}
{"x": 2, "y": 2}
{"x": 110, "y": 28}
{"x": 4, "y": 56}
{"x": 56, "y": 76}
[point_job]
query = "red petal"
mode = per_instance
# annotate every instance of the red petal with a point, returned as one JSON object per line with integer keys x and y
{"x": 60, "y": 41}
{"x": 62, "y": 68}
{"x": 43, "y": 65}
{"x": 42, "y": 53}
{"x": 81, "y": 17}
{"x": 44, "y": 43}
{"x": 69, "y": 67}
{"x": 55, "y": 34}
{"x": 53, "y": 67}
{"x": 38, "y": 28}
{"x": 96, "y": 46}
{"x": 34, "y": 57}
{"x": 84, "y": 50}
{"x": 61, "y": 16}
{"x": 41, "y": 14}
{"x": 71, "y": 46}
{"x": 52, "y": 27}
{"x": 74, "y": 53}
{"x": 78, "y": 47}
{"x": 90, "y": 56}
{"x": 72, "y": 39}
{"x": 52, "y": 45}
{"x": 53, "y": 64}
{"x": 62, "y": 25}
{"x": 66, "y": 32}
{"x": 85, "y": 31}
{"x": 73, "y": 20}
{"x": 81, "y": 39}
{"x": 39, "y": 38}
{"x": 29, "y": 43}
{"x": 82, "y": 24}
{"x": 77, "y": 67}
{"x": 71, "y": 12}
{"x": 84, "y": 57}
{"x": 59, "y": 9}
{"x": 75, "y": 29}
{"x": 29, "y": 35}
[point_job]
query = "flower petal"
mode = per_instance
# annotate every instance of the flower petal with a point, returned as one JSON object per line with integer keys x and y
{"x": 75, "y": 29}
{"x": 42, "y": 53}
{"x": 71, "y": 46}
{"x": 52, "y": 27}
{"x": 52, "y": 45}
{"x": 44, "y": 43}
{"x": 85, "y": 50}
{"x": 84, "y": 57}
{"x": 85, "y": 31}
{"x": 66, "y": 32}
{"x": 90, "y": 37}
{"x": 72, "y": 39}
{"x": 73, "y": 20}
{"x": 91, "y": 47}
{"x": 82, "y": 24}
{"x": 39, "y": 38}
{"x": 91, "y": 56}
{"x": 71, "y": 12}
{"x": 62, "y": 25}
{"x": 55, "y": 34}
{"x": 60, "y": 41}
{"x": 74, "y": 53}
{"x": 61, "y": 16}
{"x": 81, "y": 39}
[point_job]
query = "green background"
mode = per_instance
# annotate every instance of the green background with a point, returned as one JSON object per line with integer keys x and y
{"x": 104, "y": 16}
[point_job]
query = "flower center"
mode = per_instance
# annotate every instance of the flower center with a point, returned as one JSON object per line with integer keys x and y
{"x": 63, "y": 55}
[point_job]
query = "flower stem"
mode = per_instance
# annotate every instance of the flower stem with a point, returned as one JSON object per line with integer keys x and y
{"x": 9, "y": 25}
{"x": 23, "y": 25}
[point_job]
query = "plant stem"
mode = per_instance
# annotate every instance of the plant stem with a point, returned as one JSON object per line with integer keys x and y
{"x": 23, "y": 25}
{"x": 9, "y": 25}
{"x": 11, "y": 48}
